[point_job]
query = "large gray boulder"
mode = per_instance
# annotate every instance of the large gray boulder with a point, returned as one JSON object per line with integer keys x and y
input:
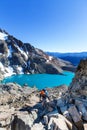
{"x": 76, "y": 117}
{"x": 57, "y": 123}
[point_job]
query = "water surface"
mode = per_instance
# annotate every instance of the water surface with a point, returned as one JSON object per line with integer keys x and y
{"x": 41, "y": 80}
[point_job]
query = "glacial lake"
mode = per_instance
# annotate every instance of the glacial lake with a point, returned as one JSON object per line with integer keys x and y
{"x": 41, "y": 80}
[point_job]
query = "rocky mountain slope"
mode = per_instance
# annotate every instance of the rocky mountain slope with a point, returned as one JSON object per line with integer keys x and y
{"x": 21, "y": 109}
{"x": 17, "y": 57}
{"x": 79, "y": 83}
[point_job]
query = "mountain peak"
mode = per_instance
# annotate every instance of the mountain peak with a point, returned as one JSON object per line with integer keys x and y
{"x": 3, "y": 36}
{"x": 17, "y": 57}
{"x": 4, "y": 31}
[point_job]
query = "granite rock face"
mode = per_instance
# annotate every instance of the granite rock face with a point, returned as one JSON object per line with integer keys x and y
{"x": 79, "y": 83}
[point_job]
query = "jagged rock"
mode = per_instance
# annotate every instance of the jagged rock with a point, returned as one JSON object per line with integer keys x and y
{"x": 3, "y": 47}
{"x": 23, "y": 120}
{"x": 79, "y": 83}
{"x": 45, "y": 120}
{"x": 15, "y": 96}
{"x": 53, "y": 114}
{"x": 70, "y": 125}
{"x": 5, "y": 119}
{"x": 37, "y": 126}
{"x": 60, "y": 102}
{"x": 55, "y": 93}
{"x": 81, "y": 109}
{"x": 56, "y": 115}
{"x": 57, "y": 123}
{"x": 76, "y": 117}
{"x": 67, "y": 115}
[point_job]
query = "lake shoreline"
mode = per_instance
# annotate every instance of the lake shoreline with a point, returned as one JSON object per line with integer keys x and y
{"x": 41, "y": 80}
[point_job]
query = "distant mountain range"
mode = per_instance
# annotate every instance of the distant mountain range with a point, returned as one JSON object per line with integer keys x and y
{"x": 17, "y": 57}
{"x": 74, "y": 58}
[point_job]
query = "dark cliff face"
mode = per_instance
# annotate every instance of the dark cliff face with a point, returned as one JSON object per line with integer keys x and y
{"x": 79, "y": 83}
{"x": 17, "y": 57}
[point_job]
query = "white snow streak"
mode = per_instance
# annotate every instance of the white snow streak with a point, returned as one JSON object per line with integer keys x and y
{"x": 3, "y": 36}
{"x": 22, "y": 52}
{"x": 8, "y": 71}
{"x": 50, "y": 58}
{"x": 20, "y": 69}
{"x": 10, "y": 51}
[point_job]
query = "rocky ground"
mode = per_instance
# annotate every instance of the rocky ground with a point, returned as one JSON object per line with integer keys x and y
{"x": 21, "y": 109}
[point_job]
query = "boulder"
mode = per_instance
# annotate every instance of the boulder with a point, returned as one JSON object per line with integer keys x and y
{"x": 63, "y": 109}
{"x": 45, "y": 120}
{"x": 60, "y": 102}
{"x": 17, "y": 120}
{"x": 81, "y": 109}
{"x": 53, "y": 114}
{"x": 57, "y": 123}
{"x": 76, "y": 117}
{"x": 85, "y": 126}
{"x": 67, "y": 115}
{"x": 37, "y": 126}
{"x": 22, "y": 120}
{"x": 5, "y": 119}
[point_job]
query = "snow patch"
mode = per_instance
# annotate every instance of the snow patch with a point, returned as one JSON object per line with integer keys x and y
{"x": 8, "y": 71}
{"x": 47, "y": 61}
{"x": 20, "y": 69}
{"x": 10, "y": 51}
{"x": 50, "y": 58}
{"x": 3, "y": 36}
{"x": 22, "y": 52}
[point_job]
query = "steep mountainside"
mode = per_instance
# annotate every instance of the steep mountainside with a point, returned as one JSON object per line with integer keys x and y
{"x": 17, "y": 57}
{"x": 79, "y": 83}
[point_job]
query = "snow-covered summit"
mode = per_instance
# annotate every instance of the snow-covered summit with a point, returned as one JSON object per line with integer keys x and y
{"x": 3, "y": 36}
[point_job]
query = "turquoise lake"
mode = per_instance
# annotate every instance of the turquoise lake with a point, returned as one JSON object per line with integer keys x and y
{"x": 41, "y": 80}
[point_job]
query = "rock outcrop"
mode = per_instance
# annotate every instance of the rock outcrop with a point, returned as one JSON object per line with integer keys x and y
{"x": 79, "y": 83}
{"x": 17, "y": 57}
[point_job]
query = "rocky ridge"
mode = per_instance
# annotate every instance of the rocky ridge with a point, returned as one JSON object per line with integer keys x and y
{"x": 17, "y": 57}
{"x": 66, "y": 109}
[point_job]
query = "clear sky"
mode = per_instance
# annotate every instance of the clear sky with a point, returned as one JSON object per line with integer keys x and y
{"x": 51, "y": 25}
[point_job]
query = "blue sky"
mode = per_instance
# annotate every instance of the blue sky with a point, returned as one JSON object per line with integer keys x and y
{"x": 51, "y": 25}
